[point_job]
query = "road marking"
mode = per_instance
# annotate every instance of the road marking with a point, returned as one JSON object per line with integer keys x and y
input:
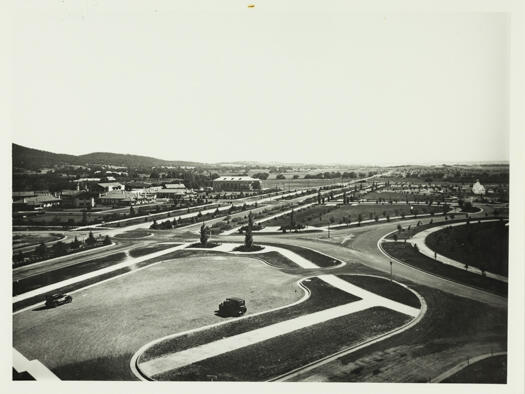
{"x": 34, "y": 367}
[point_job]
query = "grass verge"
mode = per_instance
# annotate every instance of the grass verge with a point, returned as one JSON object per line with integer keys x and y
{"x": 384, "y": 288}
{"x": 489, "y": 370}
{"x": 407, "y": 254}
{"x": 317, "y": 258}
{"x": 139, "y": 252}
{"x": 482, "y": 245}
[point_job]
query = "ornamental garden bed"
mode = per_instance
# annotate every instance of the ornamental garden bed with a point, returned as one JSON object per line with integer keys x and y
{"x": 253, "y": 248}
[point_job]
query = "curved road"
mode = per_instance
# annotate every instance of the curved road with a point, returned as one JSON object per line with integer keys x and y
{"x": 362, "y": 248}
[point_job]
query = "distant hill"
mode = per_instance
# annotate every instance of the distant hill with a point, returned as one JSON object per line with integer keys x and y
{"x": 24, "y": 157}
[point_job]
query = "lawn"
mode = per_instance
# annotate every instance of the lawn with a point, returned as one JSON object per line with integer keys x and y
{"x": 482, "y": 245}
{"x": 489, "y": 370}
{"x": 452, "y": 329}
{"x": 275, "y": 259}
{"x": 139, "y": 252}
{"x": 406, "y": 253}
{"x": 317, "y": 258}
{"x": 385, "y": 288}
{"x": 95, "y": 336}
{"x": 133, "y": 234}
{"x": 323, "y": 296}
{"x": 273, "y": 357}
{"x": 400, "y": 196}
{"x": 23, "y": 240}
{"x": 408, "y": 232}
{"x": 322, "y": 215}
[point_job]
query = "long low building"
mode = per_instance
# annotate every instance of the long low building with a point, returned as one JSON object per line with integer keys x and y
{"x": 125, "y": 198}
{"x": 236, "y": 183}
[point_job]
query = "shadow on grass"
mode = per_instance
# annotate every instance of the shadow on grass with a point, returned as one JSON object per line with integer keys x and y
{"x": 101, "y": 368}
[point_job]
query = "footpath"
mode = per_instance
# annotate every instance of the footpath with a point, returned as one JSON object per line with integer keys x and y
{"x": 420, "y": 237}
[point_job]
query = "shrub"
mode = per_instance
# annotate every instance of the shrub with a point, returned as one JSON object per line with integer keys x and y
{"x": 90, "y": 241}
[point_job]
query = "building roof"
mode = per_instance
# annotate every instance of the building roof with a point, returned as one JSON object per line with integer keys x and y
{"x": 138, "y": 184}
{"x": 171, "y": 191}
{"x": 174, "y": 186}
{"x": 119, "y": 195}
{"x": 23, "y": 194}
{"x": 41, "y": 199}
{"x": 236, "y": 178}
{"x": 86, "y": 180}
{"x": 109, "y": 184}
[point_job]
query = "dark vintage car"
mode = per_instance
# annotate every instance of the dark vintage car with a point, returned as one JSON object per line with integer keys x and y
{"x": 58, "y": 299}
{"x": 232, "y": 307}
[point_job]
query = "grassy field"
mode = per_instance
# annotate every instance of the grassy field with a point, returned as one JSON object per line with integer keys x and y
{"x": 139, "y": 252}
{"x": 275, "y": 259}
{"x": 407, "y": 233}
{"x": 133, "y": 234}
{"x": 482, "y": 245}
{"x": 323, "y": 296}
{"x": 23, "y": 240}
{"x": 322, "y": 215}
{"x": 317, "y": 258}
{"x": 452, "y": 329}
{"x": 385, "y": 288}
{"x": 406, "y": 253}
{"x": 96, "y": 335}
{"x": 489, "y": 370}
{"x": 281, "y": 354}
{"x": 401, "y": 196}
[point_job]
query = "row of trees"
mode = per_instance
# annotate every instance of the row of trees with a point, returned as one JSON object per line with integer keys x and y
{"x": 60, "y": 248}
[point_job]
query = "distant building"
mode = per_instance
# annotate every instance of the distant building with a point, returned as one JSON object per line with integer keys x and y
{"x": 108, "y": 187}
{"x": 77, "y": 199}
{"x": 178, "y": 186}
{"x": 124, "y": 198}
{"x": 478, "y": 188}
{"x": 37, "y": 202}
{"x": 236, "y": 183}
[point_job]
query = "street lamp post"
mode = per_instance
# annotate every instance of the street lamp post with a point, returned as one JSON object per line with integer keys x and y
{"x": 390, "y": 271}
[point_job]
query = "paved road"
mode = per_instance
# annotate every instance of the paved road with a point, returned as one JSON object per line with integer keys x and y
{"x": 362, "y": 248}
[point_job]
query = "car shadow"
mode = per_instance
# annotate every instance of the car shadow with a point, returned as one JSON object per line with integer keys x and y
{"x": 42, "y": 307}
{"x": 220, "y": 314}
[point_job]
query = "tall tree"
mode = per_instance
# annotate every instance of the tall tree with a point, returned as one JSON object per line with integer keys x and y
{"x": 248, "y": 238}
{"x": 205, "y": 235}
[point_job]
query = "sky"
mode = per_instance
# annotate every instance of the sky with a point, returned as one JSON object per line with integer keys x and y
{"x": 214, "y": 81}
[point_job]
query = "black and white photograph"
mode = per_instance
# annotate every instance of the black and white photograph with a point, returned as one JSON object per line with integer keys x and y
{"x": 264, "y": 191}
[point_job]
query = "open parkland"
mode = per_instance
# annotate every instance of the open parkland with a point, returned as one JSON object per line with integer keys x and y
{"x": 365, "y": 290}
